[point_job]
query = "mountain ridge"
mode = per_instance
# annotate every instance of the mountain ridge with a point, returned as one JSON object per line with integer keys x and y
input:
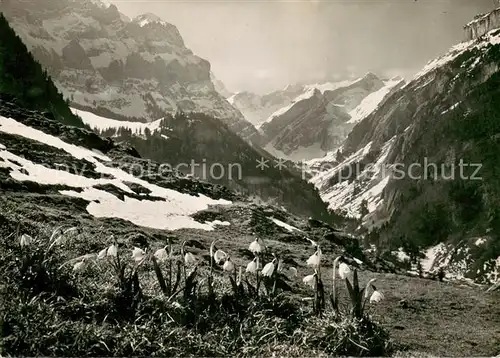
{"x": 436, "y": 118}
{"x": 100, "y": 58}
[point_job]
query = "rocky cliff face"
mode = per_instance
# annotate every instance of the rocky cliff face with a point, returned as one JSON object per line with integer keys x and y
{"x": 410, "y": 169}
{"x": 101, "y": 59}
{"x": 482, "y": 24}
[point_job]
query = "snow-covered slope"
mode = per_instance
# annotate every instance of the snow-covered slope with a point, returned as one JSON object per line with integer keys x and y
{"x": 346, "y": 185}
{"x": 101, "y": 123}
{"x": 170, "y": 210}
{"x": 134, "y": 68}
{"x": 373, "y": 100}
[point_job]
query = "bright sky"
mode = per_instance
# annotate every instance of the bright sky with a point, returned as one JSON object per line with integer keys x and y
{"x": 260, "y": 46}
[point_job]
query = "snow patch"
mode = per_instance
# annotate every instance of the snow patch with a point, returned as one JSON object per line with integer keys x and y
{"x": 146, "y": 19}
{"x": 432, "y": 254}
{"x": 451, "y": 108}
{"x": 401, "y": 255}
{"x": 163, "y": 215}
{"x": 103, "y": 123}
{"x": 218, "y": 223}
{"x": 480, "y": 241}
{"x": 285, "y": 225}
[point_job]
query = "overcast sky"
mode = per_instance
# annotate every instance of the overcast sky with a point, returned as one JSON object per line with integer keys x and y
{"x": 260, "y": 46}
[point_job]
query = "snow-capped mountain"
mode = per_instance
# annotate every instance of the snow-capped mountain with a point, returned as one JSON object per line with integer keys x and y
{"x": 372, "y": 101}
{"x": 319, "y": 119}
{"x": 257, "y": 108}
{"x": 422, "y": 162}
{"x": 99, "y": 58}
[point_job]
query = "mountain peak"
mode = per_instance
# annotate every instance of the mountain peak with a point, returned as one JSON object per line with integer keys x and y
{"x": 148, "y": 18}
{"x": 370, "y": 76}
{"x": 101, "y": 3}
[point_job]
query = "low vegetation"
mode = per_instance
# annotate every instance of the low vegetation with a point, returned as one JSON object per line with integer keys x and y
{"x": 122, "y": 301}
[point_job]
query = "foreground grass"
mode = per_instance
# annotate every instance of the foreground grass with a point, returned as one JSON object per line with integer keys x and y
{"x": 49, "y": 309}
{"x": 423, "y": 317}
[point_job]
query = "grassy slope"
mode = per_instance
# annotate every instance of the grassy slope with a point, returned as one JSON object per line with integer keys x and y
{"x": 443, "y": 319}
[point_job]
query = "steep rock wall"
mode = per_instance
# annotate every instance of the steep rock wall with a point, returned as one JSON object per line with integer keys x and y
{"x": 482, "y": 24}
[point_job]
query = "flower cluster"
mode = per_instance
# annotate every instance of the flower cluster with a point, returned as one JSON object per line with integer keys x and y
{"x": 256, "y": 272}
{"x": 345, "y": 273}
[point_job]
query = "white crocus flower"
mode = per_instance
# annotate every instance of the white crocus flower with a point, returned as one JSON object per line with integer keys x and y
{"x": 368, "y": 285}
{"x": 376, "y": 297}
{"x": 62, "y": 238}
{"x": 102, "y": 254}
{"x": 189, "y": 258}
{"x": 138, "y": 254}
{"x": 26, "y": 240}
{"x": 161, "y": 254}
{"x": 310, "y": 280}
{"x": 293, "y": 271}
{"x": 344, "y": 271}
{"x": 79, "y": 266}
{"x": 255, "y": 247}
{"x": 315, "y": 259}
{"x": 220, "y": 256}
{"x": 228, "y": 265}
{"x": 252, "y": 266}
{"x": 268, "y": 269}
{"x": 112, "y": 250}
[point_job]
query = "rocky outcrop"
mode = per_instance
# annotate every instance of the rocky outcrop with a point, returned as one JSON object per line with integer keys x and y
{"x": 134, "y": 68}
{"x": 482, "y": 24}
